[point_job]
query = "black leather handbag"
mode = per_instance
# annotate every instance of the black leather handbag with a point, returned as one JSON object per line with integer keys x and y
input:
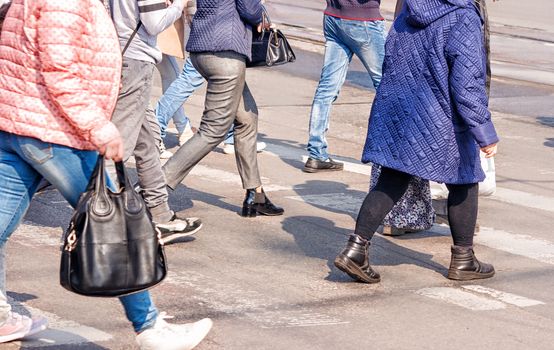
{"x": 111, "y": 247}
{"x": 270, "y": 47}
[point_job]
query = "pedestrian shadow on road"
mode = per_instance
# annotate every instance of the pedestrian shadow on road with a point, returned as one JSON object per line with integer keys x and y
{"x": 338, "y": 197}
{"x": 546, "y": 120}
{"x": 549, "y": 142}
{"x": 181, "y": 200}
{"x": 319, "y": 238}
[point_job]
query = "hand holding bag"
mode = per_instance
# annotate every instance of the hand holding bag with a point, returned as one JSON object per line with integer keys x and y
{"x": 270, "y": 47}
{"x": 111, "y": 247}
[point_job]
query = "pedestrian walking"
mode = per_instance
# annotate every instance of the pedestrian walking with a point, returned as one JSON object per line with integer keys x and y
{"x": 177, "y": 93}
{"x": 65, "y": 59}
{"x": 351, "y": 27}
{"x": 429, "y": 119}
{"x": 132, "y": 115}
{"x": 220, "y": 44}
{"x": 169, "y": 71}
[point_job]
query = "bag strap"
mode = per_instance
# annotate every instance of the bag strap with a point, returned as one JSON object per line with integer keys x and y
{"x": 139, "y": 24}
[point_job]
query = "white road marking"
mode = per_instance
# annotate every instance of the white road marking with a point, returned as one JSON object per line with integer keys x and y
{"x": 518, "y": 244}
{"x": 507, "y": 298}
{"x": 59, "y": 332}
{"x": 336, "y": 201}
{"x": 524, "y": 199}
{"x": 235, "y": 300}
{"x": 300, "y": 154}
{"x": 460, "y": 298}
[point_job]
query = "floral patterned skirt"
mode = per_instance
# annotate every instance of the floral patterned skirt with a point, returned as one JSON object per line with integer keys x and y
{"x": 414, "y": 210}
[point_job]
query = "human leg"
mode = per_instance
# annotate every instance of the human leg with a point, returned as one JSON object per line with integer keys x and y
{"x": 462, "y": 216}
{"x": 335, "y": 66}
{"x": 176, "y": 94}
{"x": 224, "y": 72}
{"x": 169, "y": 71}
{"x": 367, "y": 40}
{"x": 17, "y": 184}
{"x": 354, "y": 260}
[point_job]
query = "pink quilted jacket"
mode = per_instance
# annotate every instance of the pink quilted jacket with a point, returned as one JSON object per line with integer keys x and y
{"x": 60, "y": 67}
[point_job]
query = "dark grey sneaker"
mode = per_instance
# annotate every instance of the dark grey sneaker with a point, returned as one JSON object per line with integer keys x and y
{"x": 177, "y": 228}
{"x": 316, "y": 166}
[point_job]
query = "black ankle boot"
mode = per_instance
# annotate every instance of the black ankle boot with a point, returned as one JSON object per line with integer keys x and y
{"x": 354, "y": 260}
{"x": 258, "y": 203}
{"x": 464, "y": 266}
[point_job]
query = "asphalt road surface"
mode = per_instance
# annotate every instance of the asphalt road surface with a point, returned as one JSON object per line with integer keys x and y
{"x": 269, "y": 283}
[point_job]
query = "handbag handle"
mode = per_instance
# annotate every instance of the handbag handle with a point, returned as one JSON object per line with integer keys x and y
{"x": 102, "y": 204}
{"x": 266, "y": 21}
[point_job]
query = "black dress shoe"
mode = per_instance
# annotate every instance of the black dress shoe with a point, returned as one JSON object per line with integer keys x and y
{"x": 354, "y": 261}
{"x": 464, "y": 266}
{"x": 258, "y": 203}
{"x": 315, "y": 165}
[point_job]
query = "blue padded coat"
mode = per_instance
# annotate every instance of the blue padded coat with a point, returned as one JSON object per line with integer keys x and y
{"x": 430, "y": 115}
{"x": 224, "y": 25}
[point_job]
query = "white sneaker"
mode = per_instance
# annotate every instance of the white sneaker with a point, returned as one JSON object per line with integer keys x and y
{"x": 16, "y": 327}
{"x": 164, "y": 153}
{"x": 229, "y": 148}
{"x": 260, "y": 146}
{"x": 166, "y": 336}
{"x": 39, "y": 324}
{"x": 186, "y": 135}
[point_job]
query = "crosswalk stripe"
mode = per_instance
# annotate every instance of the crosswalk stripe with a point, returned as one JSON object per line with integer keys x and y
{"x": 477, "y": 298}
{"x": 461, "y": 298}
{"x": 60, "y": 331}
{"x": 507, "y": 298}
{"x": 524, "y": 199}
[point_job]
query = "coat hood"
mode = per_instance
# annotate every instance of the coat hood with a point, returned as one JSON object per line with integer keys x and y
{"x": 421, "y": 13}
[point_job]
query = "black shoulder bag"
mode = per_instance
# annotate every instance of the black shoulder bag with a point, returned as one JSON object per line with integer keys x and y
{"x": 270, "y": 47}
{"x": 111, "y": 247}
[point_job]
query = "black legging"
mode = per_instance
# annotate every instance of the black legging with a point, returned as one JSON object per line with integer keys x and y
{"x": 391, "y": 186}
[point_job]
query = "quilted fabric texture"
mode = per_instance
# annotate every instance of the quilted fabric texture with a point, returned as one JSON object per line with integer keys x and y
{"x": 430, "y": 114}
{"x": 224, "y": 25}
{"x": 60, "y": 65}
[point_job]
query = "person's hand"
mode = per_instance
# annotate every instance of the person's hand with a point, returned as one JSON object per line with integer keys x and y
{"x": 265, "y": 26}
{"x": 113, "y": 149}
{"x": 490, "y": 150}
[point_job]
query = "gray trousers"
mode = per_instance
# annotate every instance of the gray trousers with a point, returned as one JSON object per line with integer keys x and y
{"x": 228, "y": 101}
{"x": 134, "y": 119}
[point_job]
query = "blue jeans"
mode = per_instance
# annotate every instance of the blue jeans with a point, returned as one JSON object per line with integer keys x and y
{"x": 169, "y": 71}
{"x": 344, "y": 38}
{"x": 24, "y": 161}
{"x": 178, "y": 92}
{"x": 230, "y": 138}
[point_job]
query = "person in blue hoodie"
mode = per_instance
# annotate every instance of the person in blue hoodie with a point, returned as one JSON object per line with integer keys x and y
{"x": 429, "y": 119}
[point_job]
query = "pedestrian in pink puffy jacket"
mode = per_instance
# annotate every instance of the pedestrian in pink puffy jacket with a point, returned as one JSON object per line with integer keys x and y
{"x": 60, "y": 68}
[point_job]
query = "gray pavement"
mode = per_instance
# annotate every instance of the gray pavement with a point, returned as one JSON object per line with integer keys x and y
{"x": 269, "y": 283}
